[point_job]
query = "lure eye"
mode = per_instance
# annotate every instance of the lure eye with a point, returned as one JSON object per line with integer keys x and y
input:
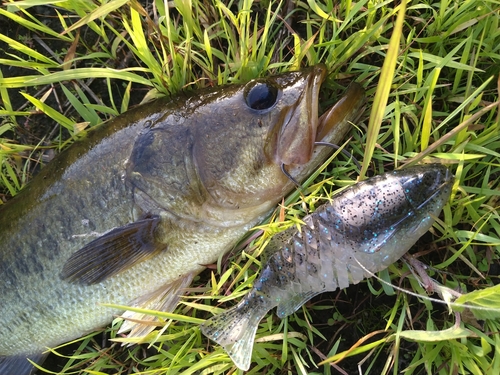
{"x": 261, "y": 96}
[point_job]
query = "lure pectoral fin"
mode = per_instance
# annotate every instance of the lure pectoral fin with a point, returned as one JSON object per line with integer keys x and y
{"x": 113, "y": 252}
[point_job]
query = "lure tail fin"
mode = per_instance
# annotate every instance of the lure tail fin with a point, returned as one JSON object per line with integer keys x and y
{"x": 235, "y": 331}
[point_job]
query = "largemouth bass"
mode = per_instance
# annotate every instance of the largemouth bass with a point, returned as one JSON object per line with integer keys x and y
{"x": 366, "y": 228}
{"x": 128, "y": 214}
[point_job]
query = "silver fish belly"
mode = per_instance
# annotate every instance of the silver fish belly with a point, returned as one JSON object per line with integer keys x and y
{"x": 365, "y": 228}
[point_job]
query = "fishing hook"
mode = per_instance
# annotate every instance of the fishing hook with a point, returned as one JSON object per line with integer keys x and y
{"x": 343, "y": 151}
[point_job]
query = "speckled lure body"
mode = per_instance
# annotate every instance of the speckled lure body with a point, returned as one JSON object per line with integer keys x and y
{"x": 363, "y": 230}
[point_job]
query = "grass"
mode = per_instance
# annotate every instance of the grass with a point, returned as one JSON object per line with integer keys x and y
{"x": 432, "y": 81}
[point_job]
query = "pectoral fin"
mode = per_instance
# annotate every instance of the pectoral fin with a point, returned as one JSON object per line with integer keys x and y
{"x": 113, "y": 252}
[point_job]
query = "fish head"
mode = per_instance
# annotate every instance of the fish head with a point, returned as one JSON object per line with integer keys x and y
{"x": 225, "y": 148}
{"x": 260, "y": 127}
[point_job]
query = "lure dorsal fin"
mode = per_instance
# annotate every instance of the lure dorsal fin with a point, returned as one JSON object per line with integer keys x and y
{"x": 113, "y": 252}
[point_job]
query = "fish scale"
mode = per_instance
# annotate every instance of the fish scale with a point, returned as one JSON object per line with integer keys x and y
{"x": 363, "y": 230}
{"x": 135, "y": 207}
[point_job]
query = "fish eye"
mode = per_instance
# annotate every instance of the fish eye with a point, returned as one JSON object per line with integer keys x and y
{"x": 261, "y": 96}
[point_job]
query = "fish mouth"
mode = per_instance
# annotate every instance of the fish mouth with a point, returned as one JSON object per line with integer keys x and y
{"x": 352, "y": 101}
{"x": 296, "y": 142}
{"x": 331, "y": 127}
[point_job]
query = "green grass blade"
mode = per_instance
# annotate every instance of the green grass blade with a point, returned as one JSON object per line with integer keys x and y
{"x": 383, "y": 89}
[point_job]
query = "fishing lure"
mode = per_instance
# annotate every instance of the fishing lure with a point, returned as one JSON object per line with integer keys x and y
{"x": 363, "y": 230}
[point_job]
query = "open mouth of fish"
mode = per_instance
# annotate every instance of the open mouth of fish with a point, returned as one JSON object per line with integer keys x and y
{"x": 296, "y": 146}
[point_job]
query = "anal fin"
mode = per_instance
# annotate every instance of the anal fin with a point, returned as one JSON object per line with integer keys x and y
{"x": 165, "y": 299}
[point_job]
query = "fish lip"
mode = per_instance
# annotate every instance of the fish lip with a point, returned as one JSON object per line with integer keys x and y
{"x": 295, "y": 141}
{"x": 354, "y": 97}
{"x": 333, "y": 126}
